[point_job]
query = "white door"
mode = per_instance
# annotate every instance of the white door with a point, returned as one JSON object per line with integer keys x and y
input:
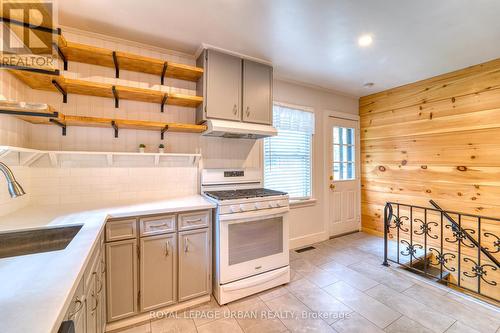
{"x": 343, "y": 174}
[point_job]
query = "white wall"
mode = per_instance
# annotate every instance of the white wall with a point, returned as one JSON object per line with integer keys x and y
{"x": 309, "y": 224}
{"x": 13, "y": 132}
{"x": 74, "y": 184}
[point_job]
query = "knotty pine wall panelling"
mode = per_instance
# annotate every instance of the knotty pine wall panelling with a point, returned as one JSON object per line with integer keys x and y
{"x": 434, "y": 139}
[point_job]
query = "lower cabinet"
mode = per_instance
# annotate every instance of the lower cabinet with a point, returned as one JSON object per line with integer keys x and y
{"x": 158, "y": 274}
{"x": 121, "y": 279}
{"x": 194, "y": 263}
{"x": 87, "y": 303}
{"x": 165, "y": 260}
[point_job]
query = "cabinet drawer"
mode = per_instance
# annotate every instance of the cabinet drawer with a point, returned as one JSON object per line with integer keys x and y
{"x": 121, "y": 229}
{"x": 194, "y": 220}
{"x": 157, "y": 225}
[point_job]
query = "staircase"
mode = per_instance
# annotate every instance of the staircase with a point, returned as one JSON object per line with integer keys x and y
{"x": 456, "y": 249}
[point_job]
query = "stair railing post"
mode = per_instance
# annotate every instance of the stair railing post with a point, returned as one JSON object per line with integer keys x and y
{"x": 386, "y": 231}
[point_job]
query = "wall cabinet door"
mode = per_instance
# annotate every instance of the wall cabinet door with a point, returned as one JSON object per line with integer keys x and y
{"x": 257, "y": 92}
{"x": 157, "y": 271}
{"x": 223, "y": 91}
{"x": 194, "y": 263}
{"x": 121, "y": 279}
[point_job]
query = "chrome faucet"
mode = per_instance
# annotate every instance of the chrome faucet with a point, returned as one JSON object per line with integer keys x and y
{"x": 15, "y": 189}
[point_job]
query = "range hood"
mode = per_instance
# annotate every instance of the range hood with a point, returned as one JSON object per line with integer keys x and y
{"x": 238, "y": 130}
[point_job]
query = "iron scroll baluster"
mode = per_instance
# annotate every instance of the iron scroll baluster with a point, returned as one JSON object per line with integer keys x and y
{"x": 446, "y": 247}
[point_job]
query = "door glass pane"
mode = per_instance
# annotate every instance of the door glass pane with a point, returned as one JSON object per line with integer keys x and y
{"x": 344, "y": 153}
{"x": 256, "y": 239}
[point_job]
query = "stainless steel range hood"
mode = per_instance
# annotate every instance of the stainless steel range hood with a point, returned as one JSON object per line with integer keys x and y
{"x": 238, "y": 130}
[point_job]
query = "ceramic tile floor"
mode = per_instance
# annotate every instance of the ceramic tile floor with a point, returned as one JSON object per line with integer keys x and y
{"x": 340, "y": 286}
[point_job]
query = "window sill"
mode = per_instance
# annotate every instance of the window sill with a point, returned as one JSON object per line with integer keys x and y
{"x": 302, "y": 203}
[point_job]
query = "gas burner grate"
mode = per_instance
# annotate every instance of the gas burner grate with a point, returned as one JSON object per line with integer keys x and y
{"x": 243, "y": 194}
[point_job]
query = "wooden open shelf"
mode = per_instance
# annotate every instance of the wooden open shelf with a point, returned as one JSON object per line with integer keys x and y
{"x": 127, "y": 61}
{"x": 132, "y": 124}
{"x": 82, "y": 87}
{"x": 45, "y": 114}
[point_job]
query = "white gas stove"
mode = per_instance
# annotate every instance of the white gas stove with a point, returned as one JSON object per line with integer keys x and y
{"x": 250, "y": 233}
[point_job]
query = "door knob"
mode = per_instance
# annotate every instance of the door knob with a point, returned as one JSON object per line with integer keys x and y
{"x": 332, "y": 187}
{"x": 331, "y": 177}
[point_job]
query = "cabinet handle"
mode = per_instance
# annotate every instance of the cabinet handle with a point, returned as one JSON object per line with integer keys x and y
{"x": 193, "y": 221}
{"x": 158, "y": 225}
{"x": 248, "y": 111}
{"x": 235, "y": 109}
{"x": 186, "y": 246}
{"x": 80, "y": 306}
{"x": 96, "y": 304}
{"x": 166, "y": 248}
{"x": 100, "y": 284}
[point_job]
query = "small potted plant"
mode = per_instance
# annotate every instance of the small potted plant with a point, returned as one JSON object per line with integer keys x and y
{"x": 142, "y": 147}
{"x": 161, "y": 148}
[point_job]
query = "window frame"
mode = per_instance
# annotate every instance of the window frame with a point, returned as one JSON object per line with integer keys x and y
{"x": 354, "y": 162}
{"x": 299, "y": 201}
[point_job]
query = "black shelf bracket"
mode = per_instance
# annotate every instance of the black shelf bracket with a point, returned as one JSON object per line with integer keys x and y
{"x": 163, "y": 72}
{"x": 163, "y": 131}
{"x": 61, "y": 90}
{"x": 58, "y": 123}
{"x": 30, "y": 114}
{"x": 55, "y": 72}
{"x": 117, "y": 67}
{"x": 117, "y": 99}
{"x": 115, "y": 127}
{"x": 62, "y": 56}
{"x": 163, "y": 102}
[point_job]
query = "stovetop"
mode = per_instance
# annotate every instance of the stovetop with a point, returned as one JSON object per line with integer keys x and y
{"x": 243, "y": 194}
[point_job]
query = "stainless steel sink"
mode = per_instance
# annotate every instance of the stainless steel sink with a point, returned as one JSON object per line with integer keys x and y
{"x": 18, "y": 243}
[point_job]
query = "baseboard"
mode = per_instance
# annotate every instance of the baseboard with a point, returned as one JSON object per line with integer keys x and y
{"x": 308, "y": 239}
{"x": 372, "y": 232}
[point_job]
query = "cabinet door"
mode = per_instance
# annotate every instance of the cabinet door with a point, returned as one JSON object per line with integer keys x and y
{"x": 157, "y": 271}
{"x": 101, "y": 290}
{"x": 194, "y": 263}
{"x": 257, "y": 92}
{"x": 223, "y": 92}
{"x": 91, "y": 306}
{"x": 79, "y": 322}
{"x": 121, "y": 279}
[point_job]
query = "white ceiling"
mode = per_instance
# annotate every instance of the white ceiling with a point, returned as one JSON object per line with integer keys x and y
{"x": 312, "y": 41}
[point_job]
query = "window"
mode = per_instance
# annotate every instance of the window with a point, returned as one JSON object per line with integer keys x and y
{"x": 343, "y": 153}
{"x": 287, "y": 156}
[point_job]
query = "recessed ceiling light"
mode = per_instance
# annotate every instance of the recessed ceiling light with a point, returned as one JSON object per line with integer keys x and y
{"x": 368, "y": 84}
{"x": 365, "y": 40}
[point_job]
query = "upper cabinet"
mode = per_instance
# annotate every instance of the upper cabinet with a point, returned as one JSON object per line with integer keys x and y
{"x": 234, "y": 89}
{"x": 223, "y": 82}
{"x": 257, "y": 92}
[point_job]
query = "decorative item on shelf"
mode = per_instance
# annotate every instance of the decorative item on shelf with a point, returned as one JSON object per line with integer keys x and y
{"x": 142, "y": 148}
{"x": 161, "y": 148}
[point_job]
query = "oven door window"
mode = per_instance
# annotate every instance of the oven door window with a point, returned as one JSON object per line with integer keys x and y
{"x": 255, "y": 239}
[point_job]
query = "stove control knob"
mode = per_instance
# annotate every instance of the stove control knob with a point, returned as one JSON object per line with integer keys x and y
{"x": 274, "y": 204}
{"x": 235, "y": 208}
{"x": 261, "y": 205}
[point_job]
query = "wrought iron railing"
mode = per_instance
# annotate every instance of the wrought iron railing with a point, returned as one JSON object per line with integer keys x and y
{"x": 456, "y": 249}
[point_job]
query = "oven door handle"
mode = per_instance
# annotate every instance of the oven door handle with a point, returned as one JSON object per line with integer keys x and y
{"x": 256, "y": 280}
{"x": 253, "y": 215}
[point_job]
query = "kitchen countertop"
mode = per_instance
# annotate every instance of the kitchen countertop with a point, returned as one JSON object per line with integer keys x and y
{"x": 36, "y": 289}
